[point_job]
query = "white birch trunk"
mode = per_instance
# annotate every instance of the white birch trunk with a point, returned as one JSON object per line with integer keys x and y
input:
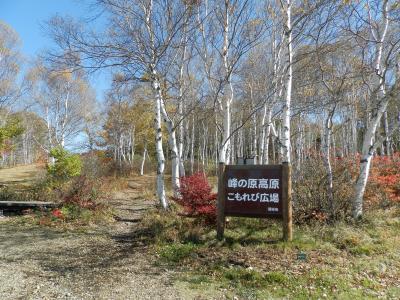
{"x": 265, "y": 133}
{"x": 286, "y": 149}
{"x": 326, "y": 157}
{"x": 225, "y": 145}
{"x": 192, "y": 149}
{"x": 368, "y": 142}
{"x": 181, "y": 109}
{"x": 143, "y": 160}
{"x": 159, "y": 145}
{"x": 157, "y": 120}
{"x": 224, "y": 154}
{"x": 255, "y": 142}
{"x": 173, "y": 145}
{"x": 52, "y": 160}
{"x": 132, "y": 143}
{"x": 65, "y": 117}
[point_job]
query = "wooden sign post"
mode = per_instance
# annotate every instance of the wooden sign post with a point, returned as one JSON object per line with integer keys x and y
{"x": 221, "y": 201}
{"x": 255, "y": 191}
{"x": 287, "y": 202}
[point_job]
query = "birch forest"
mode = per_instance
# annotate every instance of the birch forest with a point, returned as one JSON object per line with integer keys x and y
{"x": 197, "y": 83}
{"x": 199, "y": 149}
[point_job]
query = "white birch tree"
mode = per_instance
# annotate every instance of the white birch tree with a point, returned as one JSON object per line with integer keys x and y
{"x": 142, "y": 43}
{"x": 379, "y": 36}
{"x": 228, "y": 30}
{"x": 64, "y": 99}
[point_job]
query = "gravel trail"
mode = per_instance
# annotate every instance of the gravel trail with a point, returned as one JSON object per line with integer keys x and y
{"x": 100, "y": 263}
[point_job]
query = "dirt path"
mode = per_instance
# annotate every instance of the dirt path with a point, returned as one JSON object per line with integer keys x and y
{"x": 130, "y": 203}
{"x": 100, "y": 263}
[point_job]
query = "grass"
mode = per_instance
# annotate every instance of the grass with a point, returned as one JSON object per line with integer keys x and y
{"x": 21, "y": 177}
{"x": 175, "y": 253}
{"x": 16, "y": 182}
{"x": 346, "y": 260}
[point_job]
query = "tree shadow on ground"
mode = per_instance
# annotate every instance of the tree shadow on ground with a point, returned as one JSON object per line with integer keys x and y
{"x": 71, "y": 254}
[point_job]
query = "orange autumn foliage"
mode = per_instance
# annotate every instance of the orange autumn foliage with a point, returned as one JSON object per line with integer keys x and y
{"x": 384, "y": 180}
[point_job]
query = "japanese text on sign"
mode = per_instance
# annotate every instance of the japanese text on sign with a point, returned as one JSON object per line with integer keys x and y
{"x": 262, "y": 197}
{"x": 251, "y": 183}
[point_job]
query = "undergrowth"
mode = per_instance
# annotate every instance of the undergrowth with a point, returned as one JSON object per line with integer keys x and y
{"x": 343, "y": 260}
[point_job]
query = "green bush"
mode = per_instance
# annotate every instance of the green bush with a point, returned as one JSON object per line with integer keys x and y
{"x": 66, "y": 165}
{"x": 12, "y": 128}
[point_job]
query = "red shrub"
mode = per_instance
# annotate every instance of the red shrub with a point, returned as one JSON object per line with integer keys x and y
{"x": 83, "y": 193}
{"x": 57, "y": 213}
{"x": 196, "y": 198}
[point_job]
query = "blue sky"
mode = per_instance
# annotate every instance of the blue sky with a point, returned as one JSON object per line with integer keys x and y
{"x": 26, "y": 17}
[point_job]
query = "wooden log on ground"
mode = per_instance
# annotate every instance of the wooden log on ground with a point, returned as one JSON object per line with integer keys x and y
{"x": 18, "y": 206}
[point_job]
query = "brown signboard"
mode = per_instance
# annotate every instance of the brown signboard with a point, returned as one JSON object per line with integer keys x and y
{"x": 253, "y": 191}
{"x": 257, "y": 191}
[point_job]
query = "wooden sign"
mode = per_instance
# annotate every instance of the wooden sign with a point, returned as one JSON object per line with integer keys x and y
{"x": 253, "y": 191}
{"x": 256, "y": 191}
